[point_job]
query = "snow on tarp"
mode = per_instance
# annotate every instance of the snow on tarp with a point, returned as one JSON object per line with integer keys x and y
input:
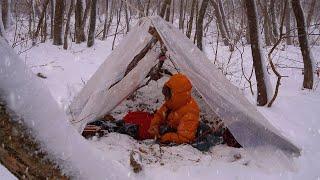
{"x": 31, "y": 100}
{"x": 112, "y": 69}
{"x": 249, "y": 127}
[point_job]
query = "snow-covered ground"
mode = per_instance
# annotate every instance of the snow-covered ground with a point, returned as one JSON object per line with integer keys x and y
{"x": 5, "y": 174}
{"x": 295, "y": 112}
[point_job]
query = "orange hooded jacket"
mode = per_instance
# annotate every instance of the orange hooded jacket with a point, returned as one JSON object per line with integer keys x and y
{"x": 180, "y": 112}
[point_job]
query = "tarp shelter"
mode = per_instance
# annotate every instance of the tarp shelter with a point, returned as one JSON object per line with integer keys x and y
{"x": 112, "y": 83}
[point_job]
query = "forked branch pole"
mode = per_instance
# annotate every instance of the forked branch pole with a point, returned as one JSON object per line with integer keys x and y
{"x": 156, "y": 37}
{"x": 270, "y": 58}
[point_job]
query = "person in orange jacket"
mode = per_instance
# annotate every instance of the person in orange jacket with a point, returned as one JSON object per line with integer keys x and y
{"x": 180, "y": 112}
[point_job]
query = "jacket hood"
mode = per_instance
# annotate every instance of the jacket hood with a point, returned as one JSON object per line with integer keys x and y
{"x": 180, "y": 87}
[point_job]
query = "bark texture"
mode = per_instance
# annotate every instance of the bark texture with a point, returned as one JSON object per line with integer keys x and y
{"x": 92, "y": 27}
{"x": 58, "y": 22}
{"x": 79, "y": 33}
{"x": 262, "y": 98}
{"x": 304, "y": 44}
{"x": 66, "y": 32}
{"x": 199, "y": 28}
{"x": 220, "y": 22}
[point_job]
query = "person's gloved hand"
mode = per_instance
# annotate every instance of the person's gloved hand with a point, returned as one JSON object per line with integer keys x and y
{"x": 154, "y": 130}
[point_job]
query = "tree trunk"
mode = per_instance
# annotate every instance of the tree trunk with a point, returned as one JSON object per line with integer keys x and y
{"x": 44, "y": 30}
{"x": 84, "y": 20}
{"x": 274, "y": 21}
{"x": 196, "y": 20}
{"x": 105, "y": 21}
{"x": 17, "y": 152}
{"x": 267, "y": 21}
{"x": 199, "y": 30}
{"x": 265, "y": 24}
{"x": 190, "y": 23}
{"x": 2, "y": 30}
{"x": 158, "y": 7}
{"x": 58, "y": 22}
{"x": 93, "y": 16}
{"x": 66, "y": 32}
{"x": 52, "y": 18}
{"x": 181, "y": 15}
{"x": 184, "y": 14}
{"x": 310, "y": 12}
{"x": 262, "y": 98}
{"x": 140, "y": 7}
{"x": 147, "y": 8}
{"x": 288, "y": 25}
{"x": 224, "y": 19}
{"x": 127, "y": 17}
{"x": 110, "y": 16}
{"x": 5, "y": 13}
{"x": 172, "y": 13}
{"x": 168, "y": 12}
{"x": 118, "y": 22}
{"x": 79, "y": 34}
{"x": 40, "y": 24}
{"x": 220, "y": 23}
{"x": 304, "y": 44}
{"x": 164, "y": 6}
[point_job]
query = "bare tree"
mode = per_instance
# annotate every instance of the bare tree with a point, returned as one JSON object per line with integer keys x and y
{"x": 79, "y": 32}
{"x": 2, "y": 30}
{"x": 127, "y": 17}
{"x": 266, "y": 23}
{"x": 220, "y": 22}
{"x": 168, "y": 10}
{"x": 105, "y": 21}
{"x": 172, "y": 11}
{"x": 304, "y": 44}
{"x": 223, "y": 17}
{"x": 140, "y": 7}
{"x": 275, "y": 28}
{"x": 112, "y": 6}
{"x": 118, "y": 22}
{"x": 269, "y": 35}
{"x": 42, "y": 18}
{"x": 199, "y": 27}
{"x": 311, "y": 11}
{"x": 147, "y": 8}
{"x": 52, "y": 18}
{"x": 92, "y": 27}
{"x": 84, "y": 19}
{"x": 58, "y": 22}
{"x": 181, "y": 14}
{"x": 66, "y": 32}
{"x": 5, "y": 13}
{"x": 190, "y": 23}
{"x": 164, "y": 7}
{"x": 288, "y": 25}
{"x": 261, "y": 76}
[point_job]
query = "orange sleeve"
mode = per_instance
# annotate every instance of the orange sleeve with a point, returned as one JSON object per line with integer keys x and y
{"x": 186, "y": 131}
{"x": 159, "y": 118}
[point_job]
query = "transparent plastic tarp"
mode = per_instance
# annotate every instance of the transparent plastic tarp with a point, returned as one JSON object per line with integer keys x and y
{"x": 100, "y": 103}
{"x": 96, "y": 99}
{"x": 249, "y": 127}
{"x": 31, "y": 101}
